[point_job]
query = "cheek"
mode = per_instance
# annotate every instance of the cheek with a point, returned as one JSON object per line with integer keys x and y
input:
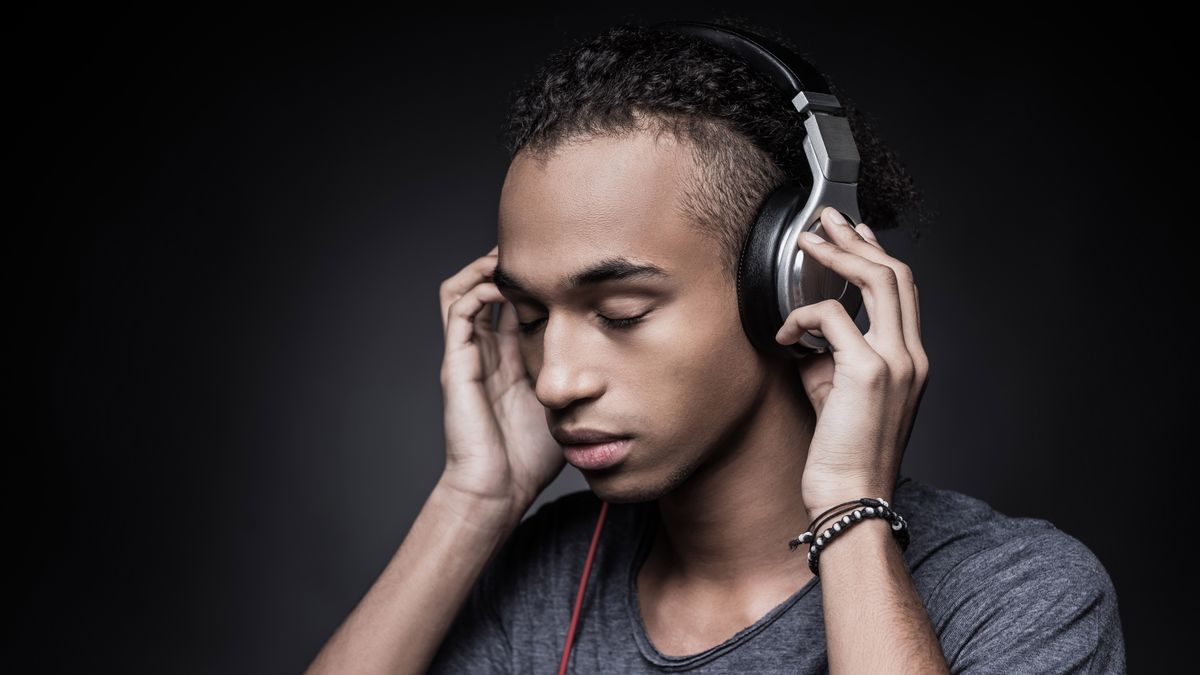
{"x": 715, "y": 343}
{"x": 701, "y": 365}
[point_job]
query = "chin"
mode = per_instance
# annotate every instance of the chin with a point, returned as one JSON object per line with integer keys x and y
{"x": 619, "y": 485}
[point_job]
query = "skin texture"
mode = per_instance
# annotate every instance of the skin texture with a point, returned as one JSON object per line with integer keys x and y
{"x": 731, "y": 445}
{"x": 720, "y": 433}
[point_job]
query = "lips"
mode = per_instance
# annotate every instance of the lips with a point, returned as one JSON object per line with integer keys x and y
{"x": 592, "y": 449}
{"x": 596, "y": 456}
{"x": 584, "y": 436}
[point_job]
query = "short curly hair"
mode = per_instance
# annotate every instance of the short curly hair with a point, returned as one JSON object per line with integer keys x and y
{"x": 744, "y": 133}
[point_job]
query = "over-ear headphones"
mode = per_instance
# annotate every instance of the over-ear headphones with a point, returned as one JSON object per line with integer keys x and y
{"x": 774, "y": 276}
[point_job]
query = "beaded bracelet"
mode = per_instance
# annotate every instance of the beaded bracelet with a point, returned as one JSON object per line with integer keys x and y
{"x": 877, "y": 503}
{"x": 874, "y": 508}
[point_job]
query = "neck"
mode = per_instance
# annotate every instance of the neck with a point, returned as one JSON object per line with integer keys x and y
{"x": 729, "y": 524}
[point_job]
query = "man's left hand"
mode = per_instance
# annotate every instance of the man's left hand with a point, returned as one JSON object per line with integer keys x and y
{"x": 866, "y": 389}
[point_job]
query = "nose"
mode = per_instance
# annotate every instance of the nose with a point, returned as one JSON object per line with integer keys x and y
{"x": 568, "y": 369}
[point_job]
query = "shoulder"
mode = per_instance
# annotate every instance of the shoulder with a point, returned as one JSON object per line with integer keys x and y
{"x": 964, "y": 549}
{"x": 939, "y": 514}
{"x": 948, "y": 528}
{"x": 1045, "y": 570}
{"x": 991, "y": 582}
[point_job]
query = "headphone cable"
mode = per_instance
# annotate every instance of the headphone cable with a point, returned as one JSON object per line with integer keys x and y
{"x": 587, "y": 568}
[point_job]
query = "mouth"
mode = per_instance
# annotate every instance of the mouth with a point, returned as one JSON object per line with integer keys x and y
{"x": 596, "y": 456}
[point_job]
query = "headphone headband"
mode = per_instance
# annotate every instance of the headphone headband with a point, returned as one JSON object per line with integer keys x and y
{"x": 791, "y": 73}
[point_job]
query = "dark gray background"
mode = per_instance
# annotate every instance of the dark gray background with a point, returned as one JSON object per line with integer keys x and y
{"x": 231, "y": 229}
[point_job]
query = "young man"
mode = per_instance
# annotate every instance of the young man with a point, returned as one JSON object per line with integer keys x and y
{"x": 639, "y": 160}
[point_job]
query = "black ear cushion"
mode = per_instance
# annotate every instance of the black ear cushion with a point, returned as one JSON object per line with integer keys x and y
{"x": 758, "y": 297}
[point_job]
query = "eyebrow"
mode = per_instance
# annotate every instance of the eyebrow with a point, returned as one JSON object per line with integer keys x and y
{"x": 609, "y": 269}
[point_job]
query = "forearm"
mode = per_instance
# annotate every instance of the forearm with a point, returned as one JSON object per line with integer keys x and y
{"x": 875, "y": 621}
{"x": 399, "y": 624}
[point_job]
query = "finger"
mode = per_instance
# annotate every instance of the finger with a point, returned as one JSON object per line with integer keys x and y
{"x": 506, "y": 324}
{"x": 464, "y": 280}
{"x": 877, "y": 282}
{"x": 910, "y": 307}
{"x": 917, "y": 308}
{"x": 507, "y": 335}
{"x": 870, "y": 249}
{"x": 835, "y": 324}
{"x": 483, "y": 321}
{"x": 920, "y": 358}
{"x": 840, "y": 231}
{"x": 868, "y": 234}
{"x": 460, "y": 329}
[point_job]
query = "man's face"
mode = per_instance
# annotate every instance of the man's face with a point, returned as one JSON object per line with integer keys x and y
{"x": 681, "y": 378}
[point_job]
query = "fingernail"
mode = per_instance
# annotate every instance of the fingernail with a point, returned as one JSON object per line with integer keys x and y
{"x": 837, "y": 217}
{"x": 813, "y": 238}
{"x": 866, "y": 230}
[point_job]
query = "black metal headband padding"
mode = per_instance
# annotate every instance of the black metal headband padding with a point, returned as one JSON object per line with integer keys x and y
{"x": 790, "y": 72}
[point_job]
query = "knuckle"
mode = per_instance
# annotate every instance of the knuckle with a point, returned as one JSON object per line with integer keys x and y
{"x": 921, "y": 364}
{"x": 802, "y": 314}
{"x": 876, "y": 369}
{"x": 830, "y": 307}
{"x": 884, "y": 276}
{"x": 903, "y": 369}
{"x": 456, "y": 307}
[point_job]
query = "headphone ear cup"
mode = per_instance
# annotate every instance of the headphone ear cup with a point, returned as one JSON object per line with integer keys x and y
{"x": 758, "y": 294}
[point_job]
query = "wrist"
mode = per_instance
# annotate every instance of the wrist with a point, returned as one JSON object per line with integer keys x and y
{"x": 477, "y": 508}
{"x": 856, "y": 540}
{"x": 819, "y": 506}
{"x": 868, "y": 535}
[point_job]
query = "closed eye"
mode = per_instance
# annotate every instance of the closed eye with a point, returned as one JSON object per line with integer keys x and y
{"x": 615, "y": 324}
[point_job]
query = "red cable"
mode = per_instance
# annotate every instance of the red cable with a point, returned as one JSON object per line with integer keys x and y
{"x": 587, "y": 568}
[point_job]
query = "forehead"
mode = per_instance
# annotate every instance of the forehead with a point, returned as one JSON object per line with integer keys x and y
{"x": 597, "y": 199}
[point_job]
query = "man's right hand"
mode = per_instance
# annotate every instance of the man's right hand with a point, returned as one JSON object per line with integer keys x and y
{"x": 498, "y": 445}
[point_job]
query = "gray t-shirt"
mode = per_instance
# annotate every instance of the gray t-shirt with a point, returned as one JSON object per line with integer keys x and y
{"x": 1005, "y": 595}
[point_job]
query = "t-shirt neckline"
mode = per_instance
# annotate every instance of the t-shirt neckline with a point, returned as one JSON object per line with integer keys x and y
{"x": 648, "y": 528}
